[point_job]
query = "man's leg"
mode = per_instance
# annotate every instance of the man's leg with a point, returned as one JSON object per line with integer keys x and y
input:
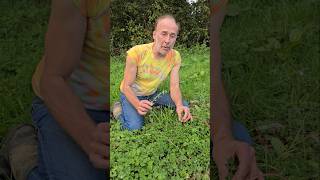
{"x": 240, "y": 132}
{"x": 18, "y": 153}
{"x": 59, "y": 156}
{"x": 129, "y": 118}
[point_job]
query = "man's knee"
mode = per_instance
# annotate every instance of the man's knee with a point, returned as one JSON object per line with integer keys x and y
{"x": 131, "y": 122}
{"x": 134, "y": 125}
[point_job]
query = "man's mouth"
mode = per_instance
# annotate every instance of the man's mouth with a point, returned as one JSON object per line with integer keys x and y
{"x": 166, "y": 47}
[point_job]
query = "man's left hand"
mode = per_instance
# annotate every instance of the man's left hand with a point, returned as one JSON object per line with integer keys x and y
{"x": 183, "y": 113}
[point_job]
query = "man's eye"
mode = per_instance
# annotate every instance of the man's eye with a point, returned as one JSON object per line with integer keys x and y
{"x": 173, "y": 36}
{"x": 164, "y": 33}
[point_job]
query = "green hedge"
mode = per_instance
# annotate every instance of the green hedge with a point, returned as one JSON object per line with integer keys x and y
{"x": 133, "y": 21}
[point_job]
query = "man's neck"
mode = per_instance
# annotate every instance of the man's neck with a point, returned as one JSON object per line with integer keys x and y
{"x": 157, "y": 55}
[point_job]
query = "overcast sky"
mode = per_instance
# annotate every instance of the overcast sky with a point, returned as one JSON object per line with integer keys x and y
{"x": 191, "y": 1}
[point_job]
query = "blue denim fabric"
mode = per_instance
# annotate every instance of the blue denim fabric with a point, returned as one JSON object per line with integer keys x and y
{"x": 131, "y": 120}
{"x": 240, "y": 132}
{"x": 60, "y": 158}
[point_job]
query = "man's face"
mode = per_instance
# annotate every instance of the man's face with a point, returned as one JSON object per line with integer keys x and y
{"x": 164, "y": 36}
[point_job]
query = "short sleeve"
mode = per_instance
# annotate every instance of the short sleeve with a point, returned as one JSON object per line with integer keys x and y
{"x": 92, "y": 8}
{"x": 177, "y": 58}
{"x": 134, "y": 54}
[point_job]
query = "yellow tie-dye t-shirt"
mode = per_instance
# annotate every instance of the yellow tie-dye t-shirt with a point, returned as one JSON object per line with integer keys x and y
{"x": 89, "y": 80}
{"x": 150, "y": 71}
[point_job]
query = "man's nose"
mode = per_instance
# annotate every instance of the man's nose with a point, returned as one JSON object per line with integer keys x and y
{"x": 167, "y": 39}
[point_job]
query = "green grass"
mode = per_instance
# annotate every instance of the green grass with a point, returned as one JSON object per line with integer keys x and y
{"x": 23, "y": 25}
{"x": 164, "y": 148}
{"x": 273, "y": 83}
{"x": 271, "y": 68}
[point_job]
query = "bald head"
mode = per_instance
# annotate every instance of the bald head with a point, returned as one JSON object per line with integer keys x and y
{"x": 167, "y": 17}
{"x": 164, "y": 35}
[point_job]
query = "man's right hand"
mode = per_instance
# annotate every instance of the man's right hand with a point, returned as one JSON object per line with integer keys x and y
{"x": 144, "y": 106}
{"x": 98, "y": 146}
{"x": 247, "y": 169}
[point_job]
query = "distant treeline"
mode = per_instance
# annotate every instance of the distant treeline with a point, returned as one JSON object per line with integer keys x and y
{"x": 132, "y": 22}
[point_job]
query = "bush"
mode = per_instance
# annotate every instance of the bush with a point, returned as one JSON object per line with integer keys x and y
{"x": 133, "y": 22}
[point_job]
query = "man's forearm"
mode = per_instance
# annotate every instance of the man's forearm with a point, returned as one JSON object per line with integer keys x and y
{"x": 221, "y": 110}
{"x": 67, "y": 109}
{"x": 176, "y": 97}
{"x": 132, "y": 98}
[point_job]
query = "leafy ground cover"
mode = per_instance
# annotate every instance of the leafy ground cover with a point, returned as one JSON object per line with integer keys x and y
{"x": 271, "y": 67}
{"x": 164, "y": 148}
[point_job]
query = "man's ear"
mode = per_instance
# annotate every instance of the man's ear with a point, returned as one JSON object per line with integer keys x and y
{"x": 154, "y": 35}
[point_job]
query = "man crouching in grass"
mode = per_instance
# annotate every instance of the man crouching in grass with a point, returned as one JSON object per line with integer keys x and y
{"x": 148, "y": 65}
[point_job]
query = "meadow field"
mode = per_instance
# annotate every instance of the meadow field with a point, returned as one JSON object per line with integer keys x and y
{"x": 271, "y": 69}
{"x": 164, "y": 148}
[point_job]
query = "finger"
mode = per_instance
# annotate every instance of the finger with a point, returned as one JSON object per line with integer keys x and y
{"x": 260, "y": 177}
{"x": 105, "y": 127}
{"x": 100, "y": 149}
{"x": 146, "y": 106}
{"x": 223, "y": 171}
{"x": 142, "y": 112}
{"x": 257, "y": 177}
{"x": 221, "y": 163}
{"x": 149, "y": 103}
{"x": 187, "y": 114}
{"x": 142, "y": 109}
{"x": 179, "y": 116}
{"x": 100, "y": 137}
{"x": 245, "y": 159}
{"x": 186, "y": 111}
{"x": 99, "y": 162}
{"x": 104, "y": 138}
{"x": 255, "y": 172}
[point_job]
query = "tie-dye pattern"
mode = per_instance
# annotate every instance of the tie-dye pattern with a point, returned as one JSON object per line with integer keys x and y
{"x": 89, "y": 79}
{"x": 150, "y": 72}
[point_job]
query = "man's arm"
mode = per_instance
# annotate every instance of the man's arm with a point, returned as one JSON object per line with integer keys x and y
{"x": 175, "y": 94}
{"x": 63, "y": 47}
{"x": 221, "y": 107}
{"x": 225, "y": 146}
{"x": 130, "y": 73}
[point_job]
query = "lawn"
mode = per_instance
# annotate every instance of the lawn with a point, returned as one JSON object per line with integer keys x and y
{"x": 23, "y": 25}
{"x": 271, "y": 69}
{"x": 164, "y": 148}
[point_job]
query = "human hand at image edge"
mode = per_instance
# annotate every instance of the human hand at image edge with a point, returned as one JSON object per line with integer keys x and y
{"x": 247, "y": 169}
